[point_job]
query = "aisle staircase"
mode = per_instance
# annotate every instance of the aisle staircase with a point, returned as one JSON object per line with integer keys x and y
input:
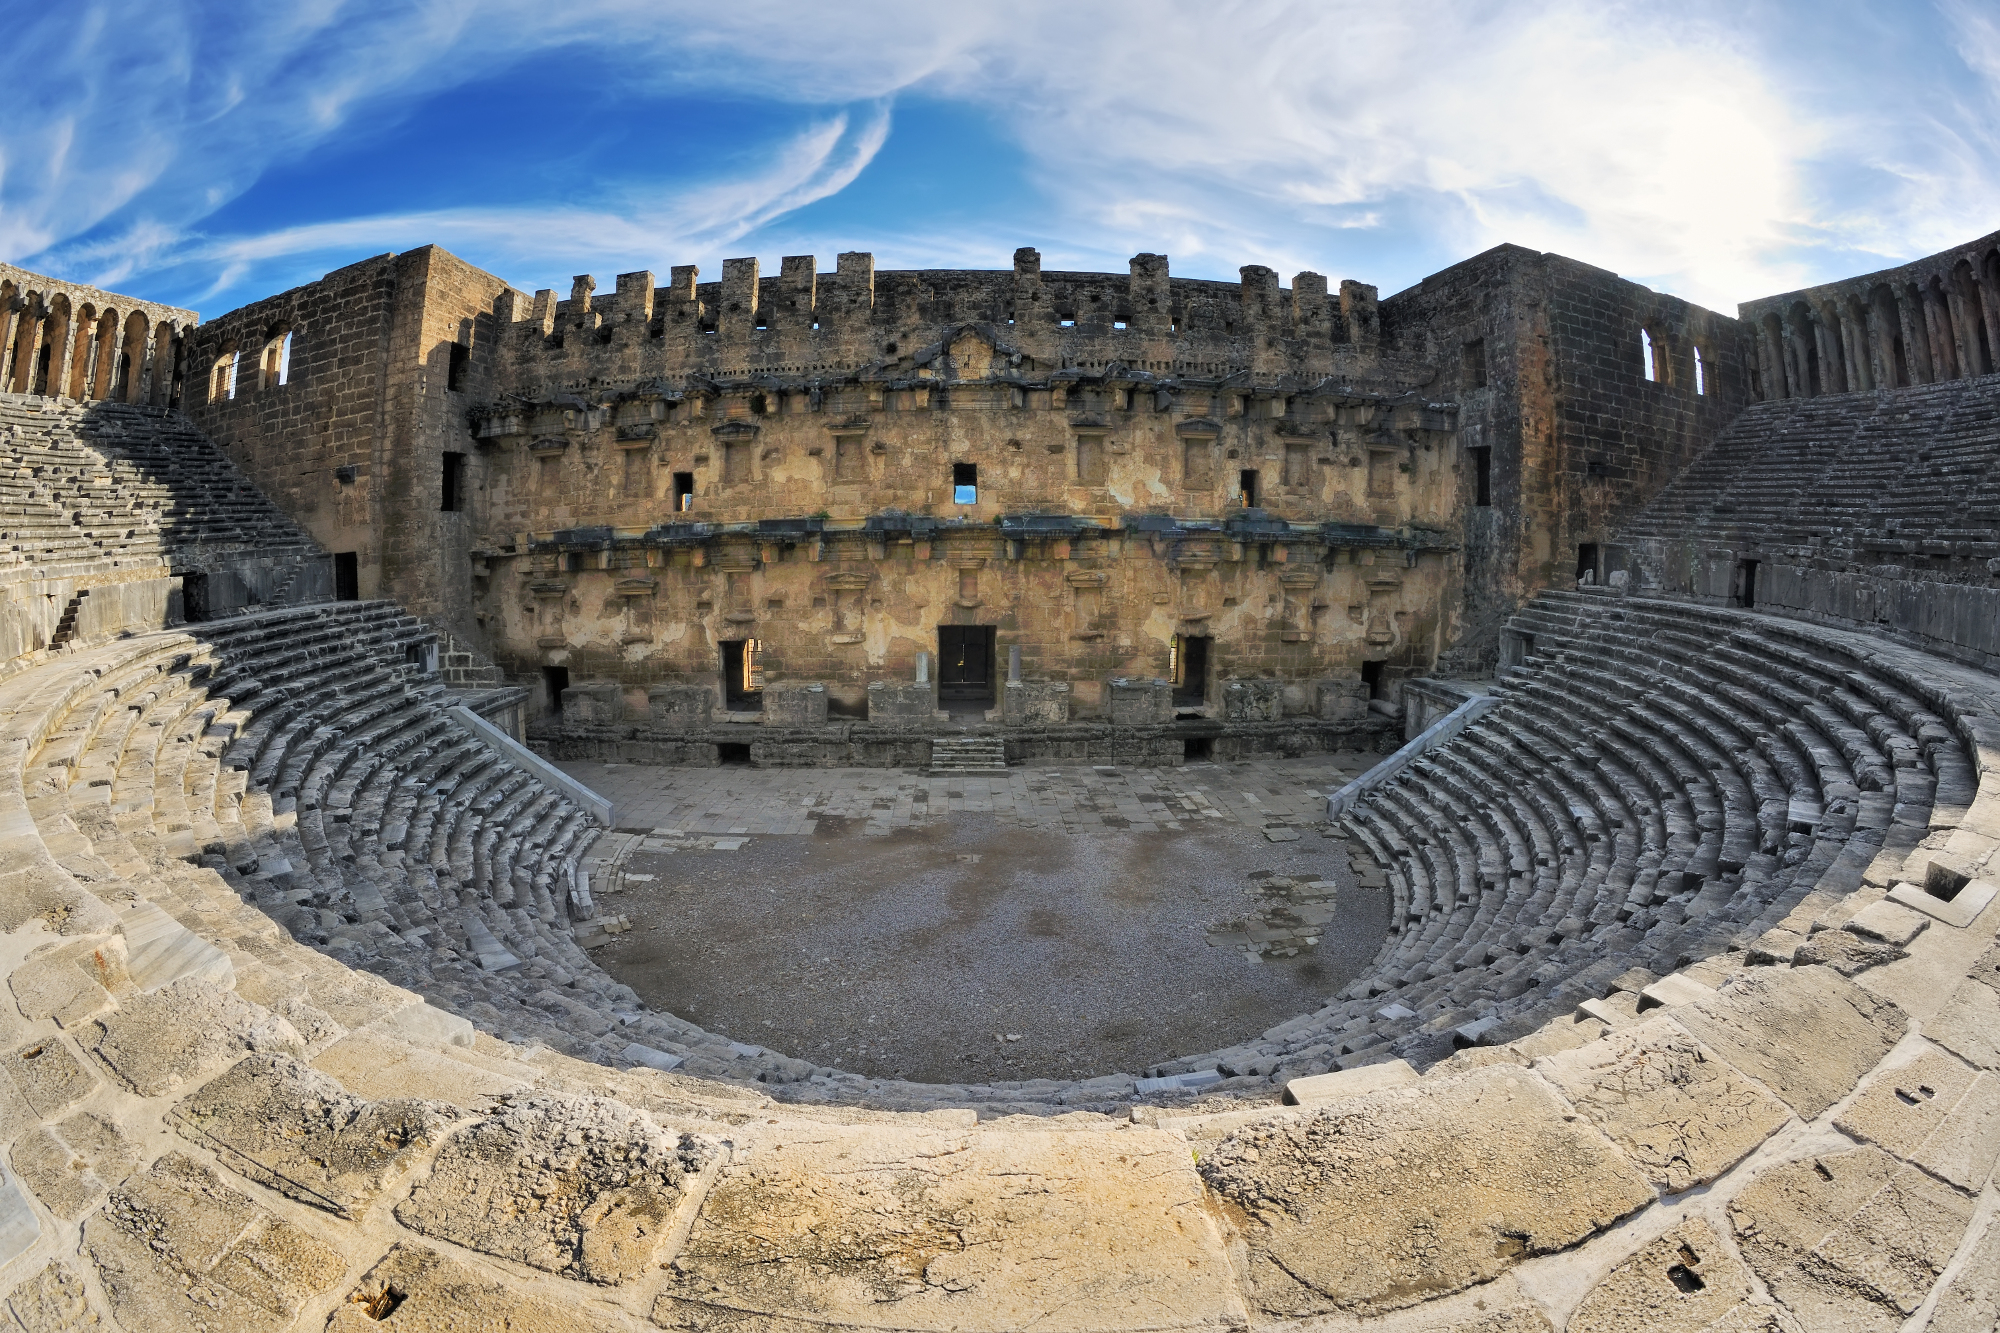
{"x": 968, "y": 754}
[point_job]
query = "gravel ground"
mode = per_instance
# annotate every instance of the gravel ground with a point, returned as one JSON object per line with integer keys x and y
{"x": 919, "y": 954}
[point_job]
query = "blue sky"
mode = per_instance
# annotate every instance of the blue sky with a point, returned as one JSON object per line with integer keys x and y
{"x": 207, "y": 155}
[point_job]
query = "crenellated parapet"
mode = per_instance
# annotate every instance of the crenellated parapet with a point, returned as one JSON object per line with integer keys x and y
{"x": 801, "y": 327}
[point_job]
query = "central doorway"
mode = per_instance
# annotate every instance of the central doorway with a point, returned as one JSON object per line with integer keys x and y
{"x": 1190, "y": 670}
{"x": 965, "y": 667}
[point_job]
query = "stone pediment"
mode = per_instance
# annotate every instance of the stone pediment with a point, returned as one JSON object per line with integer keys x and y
{"x": 1198, "y": 426}
{"x": 736, "y": 430}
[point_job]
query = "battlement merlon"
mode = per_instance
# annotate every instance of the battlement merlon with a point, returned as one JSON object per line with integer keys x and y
{"x": 793, "y": 322}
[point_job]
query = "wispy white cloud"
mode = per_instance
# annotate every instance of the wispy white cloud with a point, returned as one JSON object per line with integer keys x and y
{"x": 1696, "y": 149}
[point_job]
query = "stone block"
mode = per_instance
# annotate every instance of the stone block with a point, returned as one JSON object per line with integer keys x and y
{"x": 1673, "y": 990}
{"x": 1035, "y": 703}
{"x": 1959, "y": 910}
{"x": 1682, "y": 1282}
{"x": 1845, "y": 952}
{"x": 1136, "y": 702}
{"x": 44, "y": 1077}
{"x": 19, "y": 1227}
{"x": 160, "y": 951}
{"x": 1970, "y": 1302}
{"x": 895, "y": 703}
{"x": 679, "y": 708}
{"x": 69, "y": 1165}
{"x": 979, "y": 1232}
{"x": 1808, "y": 1033}
{"x": 413, "y": 1289}
{"x": 1253, "y": 700}
{"x": 795, "y": 705}
{"x": 71, "y": 983}
{"x": 1969, "y": 1023}
{"x": 54, "y": 1301}
{"x": 1937, "y": 1112}
{"x": 593, "y": 705}
{"x": 292, "y": 1129}
{"x": 1849, "y": 1240}
{"x": 1887, "y": 922}
{"x": 579, "y": 1186}
{"x": 374, "y": 1064}
{"x": 1321, "y": 1088}
{"x": 1678, "y": 1110}
{"x": 1340, "y": 700}
{"x": 1451, "y": 1182}
{"x": 183, "y": 1032}
{"x": 176, "y": 1248}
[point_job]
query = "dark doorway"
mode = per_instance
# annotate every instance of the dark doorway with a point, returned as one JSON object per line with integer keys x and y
{"x": 742, "y": 677}
{"x": 733, "y": 753}
{"x": 1482, "y": 475}
{"x": 453, "y": 497}
{"x": 965, "y": 665}
{"x": 1246, "y": 487}
{"x": 683, "y": 491}
{"x": 347, "y": 576}
{"x": 1197, "y": 749}
{"x": 1743, "y": 593}
{"x": 194, "y": 597}
{"x": 1371, "y": 676}
{"x": 1191, "y": 671}
{"x": 1586, "y": 563}
{"x": 554, "y": 681}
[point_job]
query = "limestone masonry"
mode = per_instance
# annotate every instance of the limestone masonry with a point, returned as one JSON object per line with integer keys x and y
{"x": 1672, "y": 641}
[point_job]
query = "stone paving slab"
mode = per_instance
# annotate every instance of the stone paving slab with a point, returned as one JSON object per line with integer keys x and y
{"x": 886, "y": 1229}
{"x": 1849, "y": 1240}
{"x": 415, "y": 1289}
{"x": 1682, "y": 1282}
{"x": 1807, "y": 1033}
{"x": 1386, "y": 1200}
{"x": 1285, "y": 794}
{"x": 1676, "y": 1108}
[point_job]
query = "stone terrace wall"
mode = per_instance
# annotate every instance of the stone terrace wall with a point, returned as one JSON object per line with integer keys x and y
{"x": 1545, "y": 356}
{"x": 1925, "y": 322}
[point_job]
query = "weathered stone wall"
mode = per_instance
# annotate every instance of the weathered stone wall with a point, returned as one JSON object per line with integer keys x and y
{"x": 351, "y": 439}
{"x": 1545, "y": 358}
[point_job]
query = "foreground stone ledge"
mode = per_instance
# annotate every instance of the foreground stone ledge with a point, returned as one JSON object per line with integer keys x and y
{"x": 1680, "y": 1113}
{"x": 1850, "y": 1240}
{"x": 158, "y": 1042}
{"x": 579, "y": 1186}
{"x": 1806, "y": 1033}
{"x": 417, "y": 1290}
{"x": 177, "y": 1249}
{"x": 1414, "y": 1193}
{"x": 1682, "y": 1282}
{"x": 296, "y": 1131}
{"x": 883, "y": 1228}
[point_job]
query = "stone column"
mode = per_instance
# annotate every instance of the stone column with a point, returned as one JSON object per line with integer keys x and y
{"x": 1013, "y": 664}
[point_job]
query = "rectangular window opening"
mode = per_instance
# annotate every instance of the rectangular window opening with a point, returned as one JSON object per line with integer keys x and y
{"x": 555, "y": 680}
{"x": 683, "y": 492}
{"x": 453, "y": 498}
{"x": 1371, "y": 676}
{"x": 1197, "y": 749}
{"x": 1649, "y": 356}
{"x": 1700, "y": 373}
{"x": 1482, "y": 475}
{"x": 1189, "y": 670}
{"x": 733, "y": 754}
{"x": 1246, "y": 488}
{"x": 1090, "y": 460}
{"x": 1475, "y": 364}
{"x": 1744, "y": 594}
{"x": 461, "y": 361}
{"x": 347, "y": 576}
{"x": 1586, "y": 563}
{"x": 965, "y": 483}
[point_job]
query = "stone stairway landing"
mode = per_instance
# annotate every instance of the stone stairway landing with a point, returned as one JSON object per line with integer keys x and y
{"x": 968, "y": 754}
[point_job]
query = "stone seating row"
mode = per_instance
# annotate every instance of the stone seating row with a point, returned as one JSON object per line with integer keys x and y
{"x": 1661, "y": 783}
{"x": 1916, "y": 465}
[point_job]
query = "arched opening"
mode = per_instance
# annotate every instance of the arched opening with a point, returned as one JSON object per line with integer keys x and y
{"x": 222, "y": 378}
{"x": 1648, "y": 366}
{"x": 49, "y": 362}
{"x": 104, "y": 374}
{"x": 164, "y": 389}
{"x": 1700, "y": 372}
{"x": 1776, "y": 374}
{"x": 277, "y": 360}
{"x": 1967, "y": 321}
{"x": 1805, "y": 349}
{"x": 1937, "y": 317}
{"x": 27, "y": 342}
{"x": 132, "y": 361}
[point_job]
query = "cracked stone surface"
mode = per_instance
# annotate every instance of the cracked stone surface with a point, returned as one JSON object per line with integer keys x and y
{"x": 313, "y": 1140}
{"x": 53, "y": 1301}
{"x": 46, "y": 1077}
{"x": 414, "y": 1289}
{"x": 1681, "y": 1113}
{"x": 1970, "y": 1302}
{"x": 69, "y": 1165}
{"x": 176, "y": 1248}
{"x": 185, "y": 1031}
{"x": 1683, "y": 1281}
{"x": 573, "y": 1185}
{"x": 1850, "y": 1240}
{"x": 1937, "y": 1112}
{"x": 955, "y": 1232}
{"x": 1386, "y": 1200}
{"x": 1808, "y": 1034}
